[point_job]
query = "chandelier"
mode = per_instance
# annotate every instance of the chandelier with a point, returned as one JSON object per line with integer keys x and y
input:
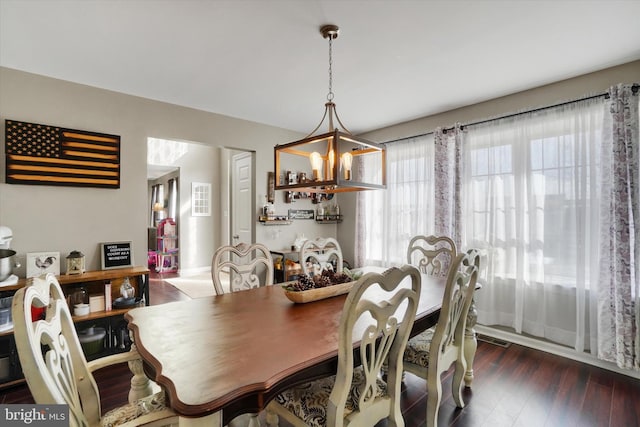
{"x": 334, "y": 161}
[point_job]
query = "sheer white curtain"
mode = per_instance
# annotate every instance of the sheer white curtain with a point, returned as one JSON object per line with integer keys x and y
{"x": 531, "y": 200}
{"x": 388, "y": 219}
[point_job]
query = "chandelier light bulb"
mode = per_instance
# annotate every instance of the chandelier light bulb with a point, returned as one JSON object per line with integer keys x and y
{"x": 316, "y": 165}
{"x": 347, "y": 160}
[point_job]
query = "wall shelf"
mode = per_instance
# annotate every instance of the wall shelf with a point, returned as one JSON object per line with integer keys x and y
{"x": 328, "y": 219}
{"x": 274, "y": 221}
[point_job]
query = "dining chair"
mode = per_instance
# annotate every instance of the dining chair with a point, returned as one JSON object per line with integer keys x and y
{"x": 320, "y": 254}
{"x": 244, "y": 265}
{"x": 432, "y": 352}
{"x": 356, "y": 395}
{"x": 432, "y": 255}
{"x": 55, "y": 367}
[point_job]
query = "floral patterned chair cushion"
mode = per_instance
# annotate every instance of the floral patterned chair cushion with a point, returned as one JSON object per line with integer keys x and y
{"x": 417, "y": 351}
{"x": 309, "y": 401}
{"x": 144, "y": 406}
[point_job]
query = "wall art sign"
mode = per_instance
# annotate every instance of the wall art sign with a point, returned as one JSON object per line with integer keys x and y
{"x": 49, "y": 155}
{"x": 116, "y": 255}
{"x": 301, "y": 213}
{"x": 39, "y": 263}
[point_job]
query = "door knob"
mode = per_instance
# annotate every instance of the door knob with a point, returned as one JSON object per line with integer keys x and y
{"x": 235, "y": 236}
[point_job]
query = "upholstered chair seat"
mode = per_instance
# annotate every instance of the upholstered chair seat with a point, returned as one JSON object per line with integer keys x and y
{"x": 418, "y": 347}
{"x": 135, "y": 410}
{"x": 310, "y": 401}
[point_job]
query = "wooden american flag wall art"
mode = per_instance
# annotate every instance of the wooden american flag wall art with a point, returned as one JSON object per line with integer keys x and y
{"x": 48, "y": 155}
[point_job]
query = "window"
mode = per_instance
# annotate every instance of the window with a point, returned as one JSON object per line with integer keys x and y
{"x": 391, "y": 217}
{"x": 200, "y": 199}
{"x": 531, "y": 194}
{"x": 529, "y": 200}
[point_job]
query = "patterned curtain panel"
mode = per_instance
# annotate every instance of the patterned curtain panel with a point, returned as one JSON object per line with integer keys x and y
{"x": 619, "y": 284}
{"x": 448, "y": 182}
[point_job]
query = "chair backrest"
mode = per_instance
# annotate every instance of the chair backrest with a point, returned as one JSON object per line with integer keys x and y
{"x": 320, "y": 253}
{"x": 448, "y": 338}
{"x": 379, "y": 312}
{"x": 433, "y": 255}
{"x": 52, "y": 359}
{"x": 242, "y": 266}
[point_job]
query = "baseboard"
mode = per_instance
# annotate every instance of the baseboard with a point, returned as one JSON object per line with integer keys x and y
{"x": 552, "y": 348}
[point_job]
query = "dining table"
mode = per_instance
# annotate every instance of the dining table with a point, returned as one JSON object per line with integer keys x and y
{"x": 221, "y": 356}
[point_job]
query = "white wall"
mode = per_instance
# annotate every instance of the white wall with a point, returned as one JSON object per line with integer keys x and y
{"x": 48, "y": 218}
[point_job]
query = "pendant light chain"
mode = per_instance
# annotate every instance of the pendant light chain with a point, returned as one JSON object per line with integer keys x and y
{"x": 330, "y": 94}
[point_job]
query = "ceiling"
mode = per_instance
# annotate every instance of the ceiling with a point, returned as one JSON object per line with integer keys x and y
{"x": 265, "y": 60}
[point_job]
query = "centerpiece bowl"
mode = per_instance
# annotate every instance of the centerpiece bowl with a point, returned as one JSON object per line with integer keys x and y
{"x": 326, "y": 285}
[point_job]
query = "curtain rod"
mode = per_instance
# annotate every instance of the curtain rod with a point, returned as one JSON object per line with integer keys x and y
{"x": 634, "y": 89}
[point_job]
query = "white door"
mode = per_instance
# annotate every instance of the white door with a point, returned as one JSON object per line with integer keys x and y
{"x": 242, "y": 198}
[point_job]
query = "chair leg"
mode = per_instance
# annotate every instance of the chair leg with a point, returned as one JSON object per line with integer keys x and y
{"x": 434, "y": 395}
{"x": 470, "y": 342}
{"x": 457, "y": 383}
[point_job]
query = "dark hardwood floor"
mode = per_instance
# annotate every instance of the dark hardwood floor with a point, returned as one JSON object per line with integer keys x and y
{"x": 514, "y": 386}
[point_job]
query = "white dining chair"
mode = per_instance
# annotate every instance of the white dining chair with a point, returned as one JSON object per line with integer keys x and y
{"x": 320, "y": 254}
{"x": 356, "y": 395}
{"x": 432, "y": 255}
{"x": 432, "y": 352}
{"x": 55, "y": 367}
{"x": 241, "y": 267}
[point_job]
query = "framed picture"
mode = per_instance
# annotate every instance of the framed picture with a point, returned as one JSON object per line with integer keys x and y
{"x": 115, "y": 255}
{"x": 200, "y": 199}
{"x": 43, "y": 262}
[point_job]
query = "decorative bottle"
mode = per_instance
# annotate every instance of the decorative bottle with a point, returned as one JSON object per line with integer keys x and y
{"x": 126, "y": 290}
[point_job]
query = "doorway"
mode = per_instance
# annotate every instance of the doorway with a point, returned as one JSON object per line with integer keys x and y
{"x": 163, "y": 253}
{"x": 231, "y": 175}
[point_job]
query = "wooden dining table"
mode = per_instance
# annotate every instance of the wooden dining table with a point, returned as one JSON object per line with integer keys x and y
{"x": 225, "y": 355}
